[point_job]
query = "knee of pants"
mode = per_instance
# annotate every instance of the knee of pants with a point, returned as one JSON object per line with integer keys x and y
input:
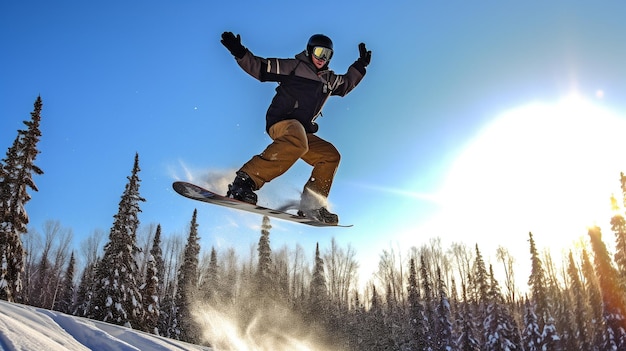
{"x": 333, "y": 157}
{"x": 290, "y": 134}
{"x": 337, "y": 157}
{"x": 298, "y": 144}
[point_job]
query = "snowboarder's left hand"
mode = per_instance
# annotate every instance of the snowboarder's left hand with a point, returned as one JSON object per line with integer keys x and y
{"x": 233, "y": 44}
{"x": 365, "y": 55}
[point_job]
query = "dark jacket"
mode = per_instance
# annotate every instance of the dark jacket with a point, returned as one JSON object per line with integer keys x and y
{"x": 302, "y": 89}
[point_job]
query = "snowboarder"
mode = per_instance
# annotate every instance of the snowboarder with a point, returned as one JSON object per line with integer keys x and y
{"x": 305, "y": 82}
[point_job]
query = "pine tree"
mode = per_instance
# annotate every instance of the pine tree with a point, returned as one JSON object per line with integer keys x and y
{"x": 152, "y": 289}
{"x": 159, "y": 264}
{"x": 117, "y": 296}
{"x": 168, "y": 321}
{"x": 211, "y": 284}
{"x": 84, "y": 305}
{"x": 612, "y": 297}
{"x": 541, "y": 300}
{"x": 66, "y": 297}
{"x": 357, "y": 325}
{"x": 479, "y": 282}
{"x": 581, "y": 334}
{"x": 499, "y": 325}
{"x": 596, "y": 322}
{"x": 443, "y": 326}
{"x": 417, "y": 321}
{"x": 537, "y": 284}
{"x": 428, "y": 303}
{"x": 481, "y": 279}
{"x": 550, "y": 338}
{"x": 188, "y": 284}
{"x": 264, "y": 268}
{"x": 531, "y": 335}
{"x": 390, "y": 320}
{"x": 467, "y": 340}
{"x": 618, "y": 225}
{"x": 377, "y": 333}
{"x": 42, "y": 281}
{"x": 318, "y": 298}
{"x": 16, "y": 177}
{"x": 565, "y": 320}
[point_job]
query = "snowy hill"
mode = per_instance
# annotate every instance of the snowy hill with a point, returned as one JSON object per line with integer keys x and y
{"x": 29, "y": 328}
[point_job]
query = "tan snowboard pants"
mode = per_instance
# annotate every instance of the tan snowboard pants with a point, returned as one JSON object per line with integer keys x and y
{"x": 290, "y": 143}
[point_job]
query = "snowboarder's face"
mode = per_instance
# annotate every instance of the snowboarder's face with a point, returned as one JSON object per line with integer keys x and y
{"x": 320, "y": 56}
{"x": 318, "y": 62}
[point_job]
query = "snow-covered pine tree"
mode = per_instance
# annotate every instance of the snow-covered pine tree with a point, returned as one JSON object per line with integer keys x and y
{"x": 537, "y": 284}
{"x": 618, "y": 225}
{"x": 229, "y": 275}
{"x": 467, "y": 341}
{"x": 264, "y": 279}
{"x": 168, "y": 322}
{"x": 564, "y": 319}
{"x": 417, "y": 321}
{"x": 479, "y": 286}
{"x": 392, "y": 316}
{"x": 499, "y": 324}
{"x": 581, "y": 332}
{"x": 453, "y": 297}
{"x": 428, "y": 303}
{"x": 159, "y": 263}
{"x": 376, "y": 334}
{"x": 318, "y": 296}
{"x": 152, "y": 289}
{"x": 594, "y": 300}
{"x": 481, "y": 280}
{"x": 43, "y": 276}
{"x": 443, "y": 326}
{"x": 118, "y": 299}
{"x": 551, "y": 340}
{"x": 531, "y": 335}
{"x": 84, "y": 305}
{"x": 357, "y": 325}
{"x": 614, "y": 308}
{"x": 188, "y": 285}
{"x": 280, "y": 274}
{"x": 16, "y": 178}
{"x": 210, "y": 285}
{"x": 66, "y": 294}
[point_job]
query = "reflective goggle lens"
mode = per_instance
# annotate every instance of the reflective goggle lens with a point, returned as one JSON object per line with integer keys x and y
{"x": 322, "y": 53}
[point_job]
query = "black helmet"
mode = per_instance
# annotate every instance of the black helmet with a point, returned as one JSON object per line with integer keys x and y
{"x": 318, "y": 40}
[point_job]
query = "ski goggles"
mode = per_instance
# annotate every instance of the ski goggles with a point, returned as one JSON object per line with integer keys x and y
{"x": 322, "y": 53}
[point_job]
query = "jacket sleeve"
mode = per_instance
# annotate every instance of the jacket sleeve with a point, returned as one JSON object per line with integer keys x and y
{"x": 348, "y": 81}
{"x": 266, "y": 69}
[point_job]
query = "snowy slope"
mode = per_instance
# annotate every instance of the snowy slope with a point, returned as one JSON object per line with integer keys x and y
{"x": 29, "y": 328}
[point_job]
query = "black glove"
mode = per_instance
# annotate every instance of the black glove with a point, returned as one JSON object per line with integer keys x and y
{"x": 233, "y": 44}
{"x": 365, "y": 56}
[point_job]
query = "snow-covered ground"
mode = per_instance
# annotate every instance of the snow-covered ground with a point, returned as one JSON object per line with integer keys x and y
{"x": 29, "y": 328}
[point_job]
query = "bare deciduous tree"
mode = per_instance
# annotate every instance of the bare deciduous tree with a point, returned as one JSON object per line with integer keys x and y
{"x": 341, "y": 272}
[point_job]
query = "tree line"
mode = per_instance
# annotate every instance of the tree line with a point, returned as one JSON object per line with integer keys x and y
{"x": 428, "y": 298}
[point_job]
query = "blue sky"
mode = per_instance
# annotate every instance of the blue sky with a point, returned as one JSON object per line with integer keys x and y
{"x": 419, "y": 136}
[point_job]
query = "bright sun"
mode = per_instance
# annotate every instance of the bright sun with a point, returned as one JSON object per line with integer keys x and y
{"x": 549, "y": 169}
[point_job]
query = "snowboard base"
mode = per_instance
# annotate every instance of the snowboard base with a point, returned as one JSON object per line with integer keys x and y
{"x": 195, "y": 192}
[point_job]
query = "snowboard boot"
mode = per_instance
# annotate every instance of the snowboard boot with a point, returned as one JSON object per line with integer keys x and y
{"x": 321, "y": 214}
{"x": 242, "y": 188}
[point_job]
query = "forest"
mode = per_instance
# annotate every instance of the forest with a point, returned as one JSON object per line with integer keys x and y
{"x": 428, "y": 298}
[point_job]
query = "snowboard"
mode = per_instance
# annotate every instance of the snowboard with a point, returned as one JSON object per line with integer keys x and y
{"x": 195, "y": 192}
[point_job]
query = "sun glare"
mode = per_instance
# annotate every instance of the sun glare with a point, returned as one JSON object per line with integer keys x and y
{"x": 544, "y": 168}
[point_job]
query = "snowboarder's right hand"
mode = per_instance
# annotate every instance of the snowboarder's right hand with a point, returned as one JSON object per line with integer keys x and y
{"x": 233, "y": 44}
{"x": 365, "y": 56}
